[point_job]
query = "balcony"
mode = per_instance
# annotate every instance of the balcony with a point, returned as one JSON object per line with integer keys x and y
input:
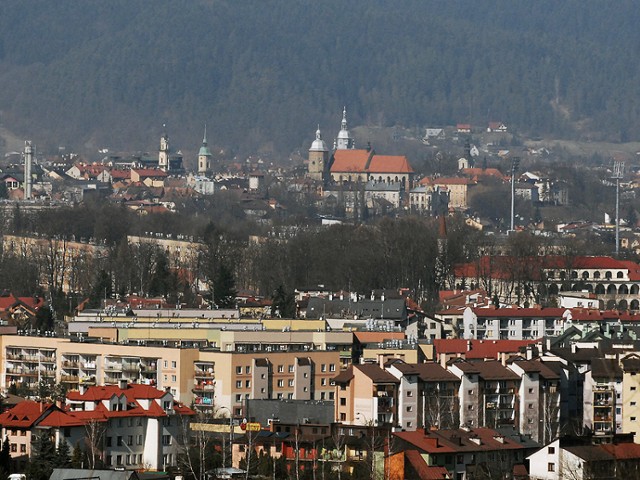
{"x": 71, "y": 364}
{"x": 69, "y": 379}
{"x": 113, "y": 367}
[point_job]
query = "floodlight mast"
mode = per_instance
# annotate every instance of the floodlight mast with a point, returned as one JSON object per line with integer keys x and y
{"x": 515, "y": 161}
{"x": 618, "y": 172}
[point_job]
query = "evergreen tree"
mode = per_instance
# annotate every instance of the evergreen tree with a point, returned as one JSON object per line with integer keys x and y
{"x": 101, "y": 289}
{"x": 5, "y": 456}
{"x": 224, "y": 287}
{"x": 63, "y": 457}
{"x": 284, "y": 304}
{"x": 77, "y": 457}
{"x": 43, "y": 458}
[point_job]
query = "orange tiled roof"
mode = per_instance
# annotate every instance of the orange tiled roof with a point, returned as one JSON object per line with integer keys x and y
{"x": 350, "y": 161}
{"x": 389, "y": 164}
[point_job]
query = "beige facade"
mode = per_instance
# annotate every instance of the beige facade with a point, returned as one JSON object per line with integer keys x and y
{"x": 278, "y": 375}
{"x": 183, "y": 252}
{"x": 28, "y": 360}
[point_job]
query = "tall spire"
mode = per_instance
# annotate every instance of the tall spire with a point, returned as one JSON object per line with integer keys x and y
{"x": 204, "y": 138}
{"x": 344, "y": 139}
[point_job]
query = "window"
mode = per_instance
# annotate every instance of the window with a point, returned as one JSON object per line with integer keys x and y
{"x": 332, "y": 367}
{"x": 108, "y": 441}
{"x": 118, "y": 459}
{"x": 409, "y": 408}
{"x": 238, "y": 370}
{"x": 14, "y": 447}
{"x": 263, "y": 390}
{"x": 238, "y": 383}
{"x": 280, "y": 368}
{"x": 323, "y": 368}
{"x": 343, "y": 402}
{"x": 291, "y": 383}
{"x": 409, "y": 393}
{"x": 323, "y": 382}
{"x": 551, "y": 467}
{"x": 633, "y": 404}
{"x": 263, "y": 376}
{"x": 119, "y": 442}
{"x": 247, "y": 384}
{"x": 166, "y": 439}
{"x": 470, "y": 392}
{"x": 129, "y": 422}
{"x": 531, "y": 390}
{"x": 305, "y": 389}
{"x": 290, "y": 368}
{"x": 247, "y": 369}
{"x": 290, "y": 396}
{"x": 238, "y": 398}
{"x": 470, "y": 407}
{"x": 130, "y": 440}
{"x": 23, "y": 448}
{"x": 633, "y": 389}
{"x": 173, "y": 364}
{"x": 551, "y": 450}
{"x": 109, "y": 460}
{"x": 633, "y": 419}
{"x": 173, "y": 378}
{"x": 128, "y": 459}
{"x": 281, "y": 383}
{"x": 305, "y": 375}
{"x": 531, "y": 406}
{"x": 139, "y": 440}
{"x": 166, "y": 364}
{"x": 409, "y": 424}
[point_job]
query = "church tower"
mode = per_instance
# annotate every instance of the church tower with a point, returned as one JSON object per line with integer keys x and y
{"x": 318, "y": 157}
{"x": 344, "y": 140}
{"x": 204, "y": 155}
{"x": 163, "y": 154}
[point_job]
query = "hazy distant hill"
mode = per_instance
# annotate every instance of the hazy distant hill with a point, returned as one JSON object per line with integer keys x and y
{"x": 262, "y": 74}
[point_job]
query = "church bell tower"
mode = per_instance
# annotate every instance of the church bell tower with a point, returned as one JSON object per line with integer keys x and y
{"x": 318, "y": 157}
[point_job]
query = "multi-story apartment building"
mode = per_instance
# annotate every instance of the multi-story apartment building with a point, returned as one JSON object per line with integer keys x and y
{"x": 487, "y": 393}
{"x": 631, "y": 394}
{"x": 513, "y": 323}
{"x": 225, "y": 380}
{"x": 603, "y": 397}
{"x": 28, "y": 360}
{"x": 366, "y": 395}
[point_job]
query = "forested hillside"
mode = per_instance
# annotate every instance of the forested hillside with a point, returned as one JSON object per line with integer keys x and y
{"x": 263, "y": 74}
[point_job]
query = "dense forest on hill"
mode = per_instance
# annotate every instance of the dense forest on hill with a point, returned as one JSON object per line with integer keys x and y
{"x": 263, "y": 74}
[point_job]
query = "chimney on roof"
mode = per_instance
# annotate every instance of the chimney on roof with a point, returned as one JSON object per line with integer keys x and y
{"x": 529, "y": 354}
{"x": 502, "y": 356}
{"x": 469, "y": 345}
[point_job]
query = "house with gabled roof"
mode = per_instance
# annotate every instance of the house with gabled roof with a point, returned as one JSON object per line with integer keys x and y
{"x": 465, "y": 453}
{"x": 130, "y": 425}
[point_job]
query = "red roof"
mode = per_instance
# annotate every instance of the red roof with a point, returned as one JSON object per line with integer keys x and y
{"x": 350, "y": 161}
{"x": 451, "y": 181}
{"x": 150, "y": 172}
{"x": 32, "y": 303}
{"x": 133, "y": 392}
{"x": 24, "y": 414}
{"x": 479, "y": 348}
{"x": 502, "y": 266}
{"x": 623, "y": 451}
{"x": 389, "y": 164}
{"x": 117, "y": 174}
{"x": 422, "y": 469}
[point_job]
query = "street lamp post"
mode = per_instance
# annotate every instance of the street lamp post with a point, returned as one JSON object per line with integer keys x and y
{"x": 224, "y": 450}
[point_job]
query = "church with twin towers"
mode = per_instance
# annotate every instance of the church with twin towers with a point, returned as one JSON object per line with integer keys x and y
{"x": 345, "y": 164}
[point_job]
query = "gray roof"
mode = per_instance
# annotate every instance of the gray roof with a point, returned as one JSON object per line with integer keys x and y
{"x": 77, "y": 473}
{"x": 394, "y": 309}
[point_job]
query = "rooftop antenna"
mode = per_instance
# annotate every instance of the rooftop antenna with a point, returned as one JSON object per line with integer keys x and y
{"x": 618, "y": 171}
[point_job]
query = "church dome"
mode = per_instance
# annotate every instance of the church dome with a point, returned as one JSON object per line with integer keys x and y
{"x": 204, "y": 151}
{"x": 318, "y": 144}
